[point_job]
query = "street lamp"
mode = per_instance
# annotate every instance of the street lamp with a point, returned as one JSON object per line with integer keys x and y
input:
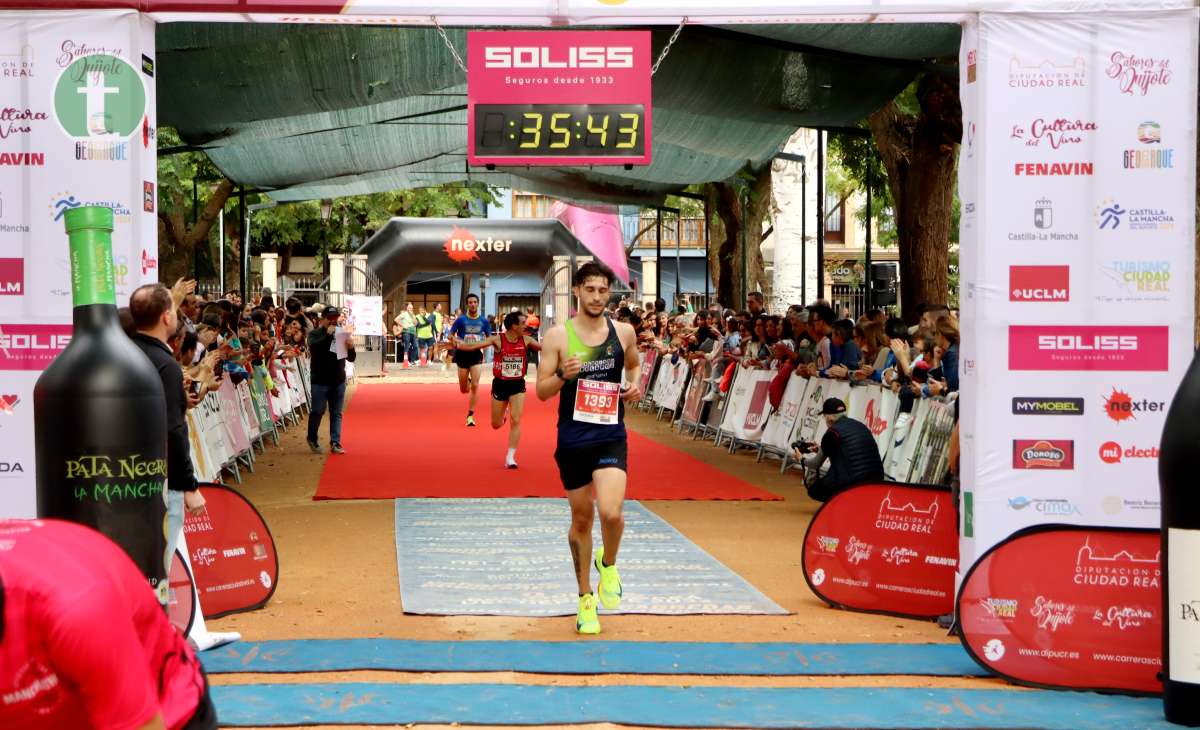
{"x": 326, "y": 209}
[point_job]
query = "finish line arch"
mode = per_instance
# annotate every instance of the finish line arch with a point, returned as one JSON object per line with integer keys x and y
{"x": 405, "y": 246}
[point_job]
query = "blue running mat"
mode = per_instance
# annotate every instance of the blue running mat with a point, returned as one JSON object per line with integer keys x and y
{"x": 509, "y": 557}
{"x": 263, "y": 705}
{"x": 592, "y": 657}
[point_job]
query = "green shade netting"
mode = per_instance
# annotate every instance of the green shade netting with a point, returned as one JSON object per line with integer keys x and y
{"x": 308, "y": 112}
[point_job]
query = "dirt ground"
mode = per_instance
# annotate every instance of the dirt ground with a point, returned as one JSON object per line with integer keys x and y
{"x": 338, "y": 575}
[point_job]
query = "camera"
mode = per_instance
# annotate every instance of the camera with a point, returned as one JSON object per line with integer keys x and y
{"x": 803, "y": 446}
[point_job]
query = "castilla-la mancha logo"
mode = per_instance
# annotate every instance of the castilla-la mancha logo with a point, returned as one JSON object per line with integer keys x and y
{"x": 463, "y": 246}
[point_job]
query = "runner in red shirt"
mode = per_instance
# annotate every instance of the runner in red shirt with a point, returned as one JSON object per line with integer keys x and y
{"x": 84, "y": 642}
{"x": 508, "y": 376}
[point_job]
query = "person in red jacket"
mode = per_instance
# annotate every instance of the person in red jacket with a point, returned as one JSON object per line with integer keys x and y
{"x": 508, "y": 376}
{"x": 84, "y": 642}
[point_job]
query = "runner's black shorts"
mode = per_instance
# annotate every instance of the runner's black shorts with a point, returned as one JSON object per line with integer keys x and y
{"x": 575, "y": 465}
{"x": 468, "y": 358}
{"x": 503, "y": 388}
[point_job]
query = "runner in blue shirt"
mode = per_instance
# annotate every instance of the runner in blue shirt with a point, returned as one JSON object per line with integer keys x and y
{"x": 470, "y": 327}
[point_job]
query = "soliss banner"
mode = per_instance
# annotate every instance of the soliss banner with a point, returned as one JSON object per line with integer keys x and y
{"x": 233, "y": 554}
{"x": 1071, "y": 607}
{"x": 885, "y": 548}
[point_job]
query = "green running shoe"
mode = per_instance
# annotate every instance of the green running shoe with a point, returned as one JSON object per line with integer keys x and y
{"x": 585, "y": 620}
{"x": 609, "y": 589}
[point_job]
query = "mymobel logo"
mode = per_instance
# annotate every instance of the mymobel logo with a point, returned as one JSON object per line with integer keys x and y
{"x": 543, "y": 57}
{"x": 1088, "y": 347}
{"x": 12, "y": 277}
{"x": 1039, "y": 283}
{"x": 1047, "y": 406}
{"x": 1112, "y": 452}
{"x": 462, "y": 246}
{"x": 99, "y": 101}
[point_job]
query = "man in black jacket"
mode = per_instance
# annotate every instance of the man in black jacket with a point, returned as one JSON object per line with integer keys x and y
{"x": 154, "y": 318}
{"x": 328, "y": 380}
{"x": 851, "y": 449}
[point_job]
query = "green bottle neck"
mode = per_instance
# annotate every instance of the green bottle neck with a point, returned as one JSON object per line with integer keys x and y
{"x": 92, "y": 268}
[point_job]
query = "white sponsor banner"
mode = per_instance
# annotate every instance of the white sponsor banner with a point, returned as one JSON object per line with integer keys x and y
{"x": 364, "y": 314}
{"x": 668, "y": 387}
{"x": 783, "y": 422}
{"x": 753, "y": 419}
{"x": 78, "y": 129}
{"x": 1077, "y": 181}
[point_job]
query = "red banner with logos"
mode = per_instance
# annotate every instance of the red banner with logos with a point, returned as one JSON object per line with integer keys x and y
{"x": 1068, "y": 607}
{"x": 181, "y": 595}
{"x": 885, "y": 548}
{"x": 233, "y": 554}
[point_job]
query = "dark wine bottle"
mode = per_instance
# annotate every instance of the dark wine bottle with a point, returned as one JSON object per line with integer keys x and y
{"x": 1178, "y": 465}
{"x": 100, "y": 418}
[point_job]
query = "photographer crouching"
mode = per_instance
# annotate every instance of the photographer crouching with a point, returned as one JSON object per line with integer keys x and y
{"x": 850, "y": 448}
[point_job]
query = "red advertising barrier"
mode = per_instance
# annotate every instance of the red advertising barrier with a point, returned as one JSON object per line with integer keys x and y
{"x": 233, "y": 554}
{"x": 181, "y": 595}
{"x": 885, "y": 548}
{"x": 1068, "y": 607}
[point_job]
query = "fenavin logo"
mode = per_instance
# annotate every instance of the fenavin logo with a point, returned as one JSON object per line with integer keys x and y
{"x": 542, "y": 57}
{"x": 1047, "y": 406}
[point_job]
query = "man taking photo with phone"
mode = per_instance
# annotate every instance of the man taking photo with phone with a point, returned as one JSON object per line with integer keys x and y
{"x": 330, "y": 350}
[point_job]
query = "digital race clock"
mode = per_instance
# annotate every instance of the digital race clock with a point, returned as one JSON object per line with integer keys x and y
{"x": 558, "y": 98}
{"x": 560, "y": 130}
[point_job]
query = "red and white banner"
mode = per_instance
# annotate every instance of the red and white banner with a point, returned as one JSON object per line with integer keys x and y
{"x": 232, "y": 553}
{"x": 78, "y": 89}
{"x": 1078, "y": 260}
{"x": 1078, "y": 608}
{"x": 885, "y": 548}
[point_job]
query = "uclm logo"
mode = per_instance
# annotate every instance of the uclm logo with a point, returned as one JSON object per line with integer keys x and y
{"x": 1088, "y": 347}
{"x": 534, "y": 57}
{"x": 12, "y": 277}
{"x": 1043, "y": 454}
{"x": 1039, "y": 283}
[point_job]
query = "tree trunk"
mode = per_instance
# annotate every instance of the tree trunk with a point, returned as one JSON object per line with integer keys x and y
{"x": 725, "y": 200}
{"x": 177, "y": 242}
{"x": 920, "y": 154}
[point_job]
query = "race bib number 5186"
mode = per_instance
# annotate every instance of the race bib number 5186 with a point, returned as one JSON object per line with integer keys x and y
{"x": 596, "y": 401}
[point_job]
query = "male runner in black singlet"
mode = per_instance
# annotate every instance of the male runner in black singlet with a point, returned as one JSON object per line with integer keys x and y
{"x": 582, "y": 362}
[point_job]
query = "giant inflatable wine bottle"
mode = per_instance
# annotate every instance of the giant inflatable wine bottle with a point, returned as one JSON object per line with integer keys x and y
{"x": 100, "y": 419}
{"x": 1178, "y": 476}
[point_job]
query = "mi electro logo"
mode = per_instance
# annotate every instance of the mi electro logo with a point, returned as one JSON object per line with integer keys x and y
{"x": 1039, "y": 283}
{"x": 1047, "y": 406}
{"x": 581, "y": 57}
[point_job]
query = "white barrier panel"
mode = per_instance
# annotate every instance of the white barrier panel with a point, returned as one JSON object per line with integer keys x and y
{"x": 877, "y": 407}
{"x": 668, "y": 386}
{"x": 812, "y": 423}
{"x": 1077, "y": 180}
{"x": 749, "y": 427}
{"x": 64, "y": 149}
{"x": 781, "y": 426}
{"x": 231, "y": 417}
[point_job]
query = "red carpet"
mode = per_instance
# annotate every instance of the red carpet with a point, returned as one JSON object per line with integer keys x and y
{"x": 409, "y": 440}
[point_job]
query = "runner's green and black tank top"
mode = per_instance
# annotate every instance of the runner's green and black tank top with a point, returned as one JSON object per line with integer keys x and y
{"x": 580, "y": 414}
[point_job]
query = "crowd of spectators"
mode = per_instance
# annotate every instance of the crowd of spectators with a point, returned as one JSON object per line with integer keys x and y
{"x": 915, "y": 362}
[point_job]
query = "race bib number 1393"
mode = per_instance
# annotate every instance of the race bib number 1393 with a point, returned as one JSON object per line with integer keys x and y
{"x": 596, "y": 401}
